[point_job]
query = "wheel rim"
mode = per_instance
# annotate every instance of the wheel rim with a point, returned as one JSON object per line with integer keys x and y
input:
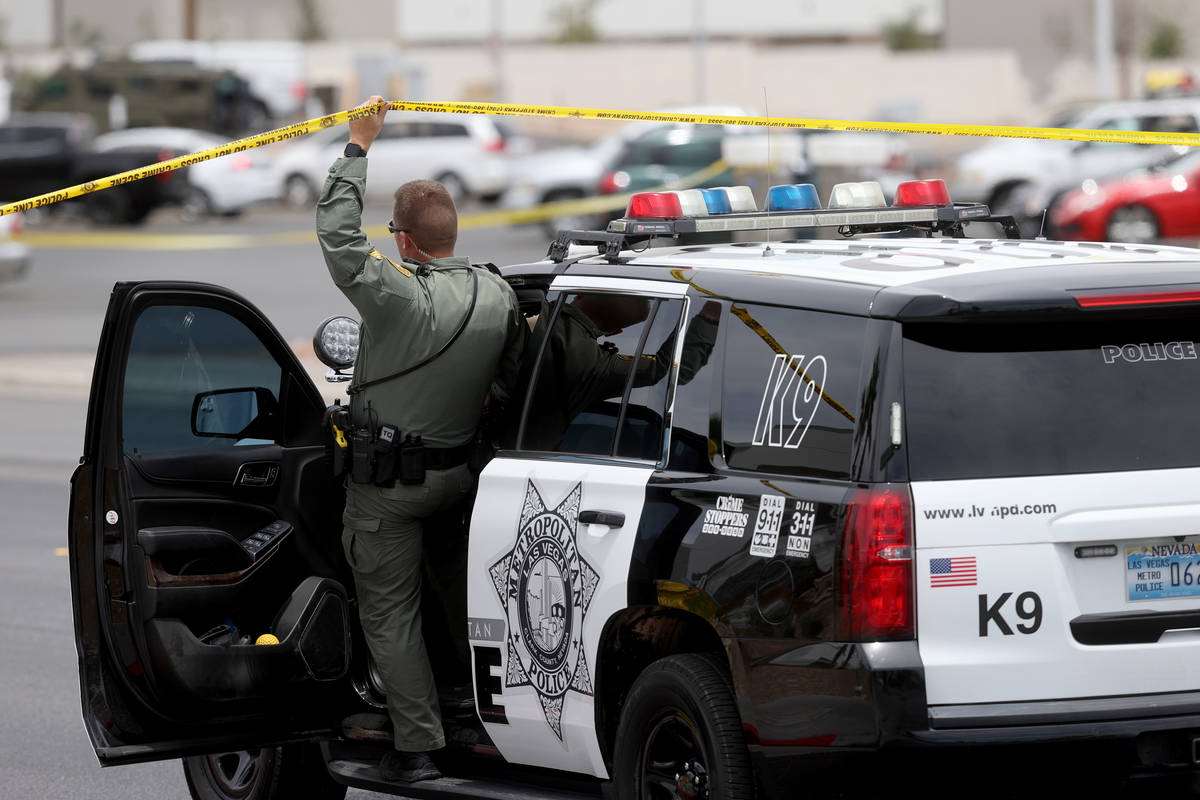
{"x": 298, "y": 193}
{"x": 235, "y": 773}
{"x": 1132, "y": 224}
{"x": 454, "y": 186}
{"x": 194, "y": 206}
{"x": 674, "y": 762}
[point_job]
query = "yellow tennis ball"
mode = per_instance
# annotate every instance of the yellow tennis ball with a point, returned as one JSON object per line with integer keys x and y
{"x": 266, "y": 638}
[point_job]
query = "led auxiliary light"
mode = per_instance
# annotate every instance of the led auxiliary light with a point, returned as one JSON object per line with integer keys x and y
{"x": 922, "y": 193}
{"x": 793, "y": 197}
{"x": 336, "y": 342}
{"x": 863, "y": 194}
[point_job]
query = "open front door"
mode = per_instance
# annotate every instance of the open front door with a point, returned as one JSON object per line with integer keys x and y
{"x": 203, "y": 515}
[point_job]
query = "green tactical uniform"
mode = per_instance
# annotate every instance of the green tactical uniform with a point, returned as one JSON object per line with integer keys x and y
{"x": 409, "y": 313}
{"x": 578, "y": 371}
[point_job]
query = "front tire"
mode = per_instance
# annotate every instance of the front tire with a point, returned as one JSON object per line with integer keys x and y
{"x": 455, "y": 185}
{"x": 291, "y": 772}
{"x": 298, "y": 192}
{"x": 680, "y": 735}
{"x": 1136, "y": 224}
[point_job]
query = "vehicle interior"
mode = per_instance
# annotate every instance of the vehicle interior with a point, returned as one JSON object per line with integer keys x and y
{"x": 229, "y": 518}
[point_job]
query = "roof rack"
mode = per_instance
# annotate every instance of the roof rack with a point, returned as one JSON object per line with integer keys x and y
{"x": 624, "y": 233}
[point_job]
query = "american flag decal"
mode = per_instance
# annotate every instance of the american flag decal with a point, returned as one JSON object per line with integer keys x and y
{"x": 957, "y": 571}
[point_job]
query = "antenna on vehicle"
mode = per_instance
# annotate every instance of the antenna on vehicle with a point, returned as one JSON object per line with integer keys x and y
{"x": 1041, "y": 237}
{"x": 767, "y": 251}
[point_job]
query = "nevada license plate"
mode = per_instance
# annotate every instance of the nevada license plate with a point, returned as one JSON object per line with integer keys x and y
{"x": 1160, "y": 570}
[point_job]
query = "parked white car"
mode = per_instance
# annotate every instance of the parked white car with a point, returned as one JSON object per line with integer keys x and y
{"x": 14, "y": 255}
{"x": 466, "y": 153}
{"x": 223, "y": 185}
{"x": 1004, "y": 172}
{"x": 568, "y": 173}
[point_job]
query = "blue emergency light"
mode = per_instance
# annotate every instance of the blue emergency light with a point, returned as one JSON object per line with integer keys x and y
{"x": 793, "y": 197}
{"x": 717, "y": 201}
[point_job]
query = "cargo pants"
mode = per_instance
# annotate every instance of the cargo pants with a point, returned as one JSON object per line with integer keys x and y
{"x": 383, "y": 538}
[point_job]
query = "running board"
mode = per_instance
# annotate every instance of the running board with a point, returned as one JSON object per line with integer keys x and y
{"x": 365, "y": 775}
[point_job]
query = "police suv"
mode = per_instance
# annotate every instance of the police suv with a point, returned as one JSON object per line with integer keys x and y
{"x": 889, "y": 494}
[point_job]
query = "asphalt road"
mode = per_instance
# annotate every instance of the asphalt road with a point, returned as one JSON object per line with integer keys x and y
{"x": 49, "y": 325}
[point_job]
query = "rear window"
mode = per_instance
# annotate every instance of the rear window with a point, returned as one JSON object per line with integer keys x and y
{"x": 990, "y": 401}
{"x": 791, "y": 390}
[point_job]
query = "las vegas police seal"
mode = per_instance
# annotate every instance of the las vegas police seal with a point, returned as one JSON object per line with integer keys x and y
{"x": 546, "y": 587}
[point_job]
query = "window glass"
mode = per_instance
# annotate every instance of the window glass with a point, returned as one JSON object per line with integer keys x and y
{"x": 177, "y": 354}
{"x": 1171, "y": 123}
{"x": 790, "y": 398}
{"x": 642, "y": 431}
{"x": 590, "y": 356}
{"x": 984, "y": 401}
{"x": 447, "y": 129}
{"x": 690, "y": 449}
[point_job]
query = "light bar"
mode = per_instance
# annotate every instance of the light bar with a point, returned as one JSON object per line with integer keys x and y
{"x": 922, "y": 193}
{"x": 793, "y": 197}
{"x": 1091, "y": 300}
{"x": 863, "y": 194}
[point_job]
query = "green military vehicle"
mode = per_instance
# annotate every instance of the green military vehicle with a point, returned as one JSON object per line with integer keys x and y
{"x": 121, "y": 94}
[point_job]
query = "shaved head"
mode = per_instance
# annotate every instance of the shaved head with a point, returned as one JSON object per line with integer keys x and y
{"x": 426, "y": 211}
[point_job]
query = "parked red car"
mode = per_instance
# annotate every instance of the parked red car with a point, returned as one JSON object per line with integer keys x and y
{"x": 1160, "y": 203}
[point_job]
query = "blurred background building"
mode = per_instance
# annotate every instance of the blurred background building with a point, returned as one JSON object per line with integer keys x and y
{"x": 935, "y": 60}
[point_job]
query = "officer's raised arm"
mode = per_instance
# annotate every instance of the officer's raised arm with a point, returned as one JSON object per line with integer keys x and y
{"x": 356, "y": 266}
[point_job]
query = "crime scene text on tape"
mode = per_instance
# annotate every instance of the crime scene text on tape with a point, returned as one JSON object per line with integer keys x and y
{"x": 515, "y": 110}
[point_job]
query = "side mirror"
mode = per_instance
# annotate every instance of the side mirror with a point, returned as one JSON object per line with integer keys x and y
{"x": 336, "y": 345}
{"x": 244, "y": 413}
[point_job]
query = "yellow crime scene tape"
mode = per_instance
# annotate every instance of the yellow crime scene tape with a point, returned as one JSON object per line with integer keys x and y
{"x": 549, "y": 112}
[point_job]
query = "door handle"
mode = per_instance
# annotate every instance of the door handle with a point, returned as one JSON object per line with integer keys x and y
{"x": 609, "y": 519}
{"x": 257, "y": 474}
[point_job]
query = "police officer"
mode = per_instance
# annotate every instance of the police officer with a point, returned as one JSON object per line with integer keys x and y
{"x": 578, "y": 370}
{"x": 439, "y": 339}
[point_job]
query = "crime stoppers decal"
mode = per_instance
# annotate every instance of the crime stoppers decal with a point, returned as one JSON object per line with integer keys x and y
{"x": 545, "y": 587}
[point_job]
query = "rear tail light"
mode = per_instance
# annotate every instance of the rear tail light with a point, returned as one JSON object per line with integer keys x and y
{"x": 17, "y": 225}
{"x": 299, "y": 90}
{"x": 164, "y": 177}
{"x": 613, "y": 182}
{"x": 897, "y": 162}
{"x": 494, "y": 145}
{"x": 1108, "y": 298}
{"x": 241, "y": 161}
{"x": 877, "y": 584}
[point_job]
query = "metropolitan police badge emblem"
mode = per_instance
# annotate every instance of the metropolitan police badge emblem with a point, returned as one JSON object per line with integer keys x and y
{"x": 546, "y": 587}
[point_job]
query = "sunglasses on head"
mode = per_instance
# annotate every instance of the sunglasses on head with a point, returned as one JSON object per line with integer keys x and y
{"x": 391, "y": 226}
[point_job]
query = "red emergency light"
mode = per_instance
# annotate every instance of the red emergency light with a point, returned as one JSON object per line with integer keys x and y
{"x": 922, "y": 193}
{"x": 655, "y": 205}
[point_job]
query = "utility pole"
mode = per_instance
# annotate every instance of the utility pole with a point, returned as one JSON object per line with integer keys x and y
{"x": 496, "y": 50}
{"x": 699, "y": 53}
{"x": 1102, "y": 10}
{"x": 189, "y": 19}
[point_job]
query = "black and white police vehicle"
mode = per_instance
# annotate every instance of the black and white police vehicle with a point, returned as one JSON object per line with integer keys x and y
{"x": 913, "y": 493}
